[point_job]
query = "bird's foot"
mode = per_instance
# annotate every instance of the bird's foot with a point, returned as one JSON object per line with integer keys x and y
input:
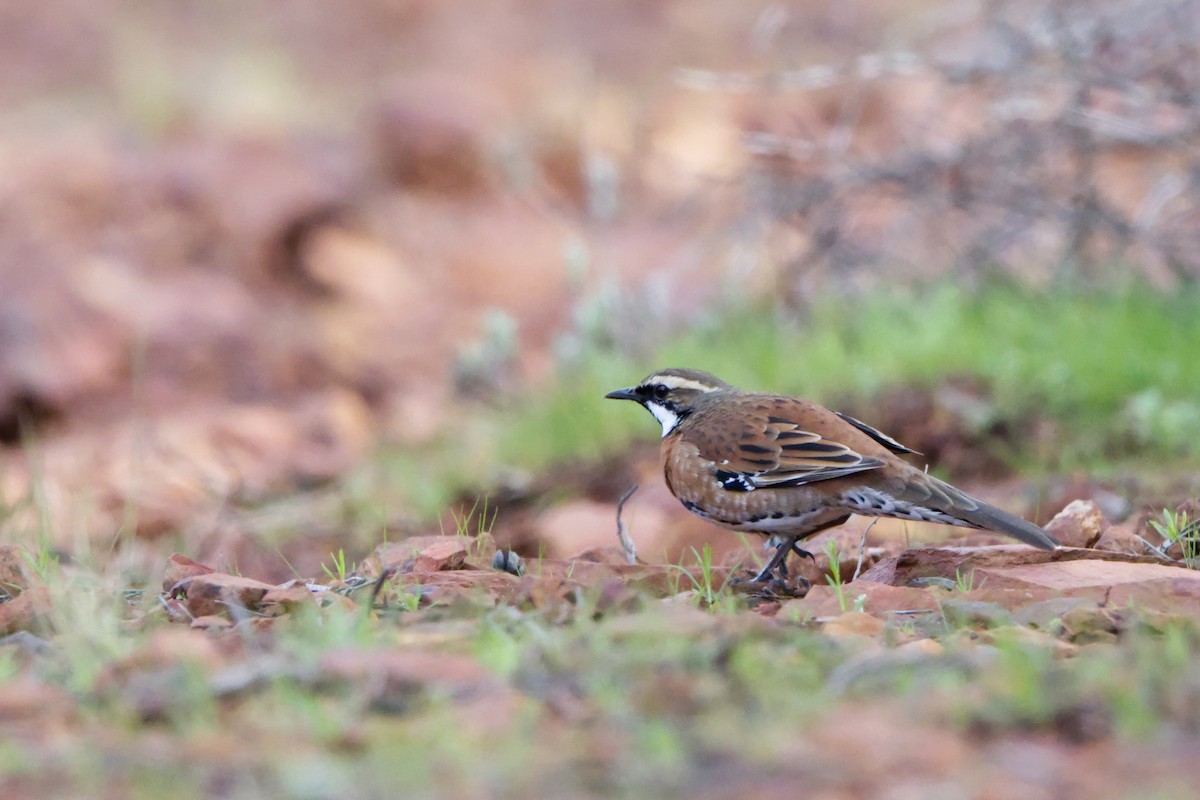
{"x": 768, "y": 573}
{"x": 777, "y": 565}
{"x": 779, "y": 589}
{"x": 783, "y": 544}
{"x": 772, "y": 588}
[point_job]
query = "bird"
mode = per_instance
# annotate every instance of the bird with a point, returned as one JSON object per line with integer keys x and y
{"x": 788, "y": 468}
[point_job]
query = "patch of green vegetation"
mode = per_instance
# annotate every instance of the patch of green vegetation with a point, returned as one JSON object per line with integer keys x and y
{"x": 833, "y": 552}
{"x": 965, "y": 582}
{"x": 571, "y": 418}
{"x": 1177, "y": 528}
{"x": 339, "y": 569}
{"x": 1113, "y": 369}
{"x": 704, "y": 586}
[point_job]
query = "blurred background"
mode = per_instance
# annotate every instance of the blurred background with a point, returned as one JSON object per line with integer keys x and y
{"x": 275, "y": 280}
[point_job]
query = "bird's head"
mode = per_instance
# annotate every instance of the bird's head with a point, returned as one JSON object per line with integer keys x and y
{"x": 670, "y": 394}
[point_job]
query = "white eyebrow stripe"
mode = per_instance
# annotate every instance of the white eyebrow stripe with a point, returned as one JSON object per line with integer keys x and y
{"x": 675, "y": 382}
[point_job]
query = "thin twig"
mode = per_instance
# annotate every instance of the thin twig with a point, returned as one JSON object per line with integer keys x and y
{"x": 627, "y": 544}
{"x": 174, "y": 612}
{"x": 862, "y": 547}
{"x": 1156, "y": 550}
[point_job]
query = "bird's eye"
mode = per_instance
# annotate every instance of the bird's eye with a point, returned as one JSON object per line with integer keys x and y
{"x": 661, "y": 392}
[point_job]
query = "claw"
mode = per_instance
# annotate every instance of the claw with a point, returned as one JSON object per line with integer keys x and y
{"x": 803, "y": 553}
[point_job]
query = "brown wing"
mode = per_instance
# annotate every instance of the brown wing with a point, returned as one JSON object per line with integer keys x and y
{"x": 769, "y": 446}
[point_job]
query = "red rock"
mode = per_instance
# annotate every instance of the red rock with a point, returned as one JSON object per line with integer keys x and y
{"x": 447, "y": 555}
{"x": 949, "y": 562}
{"x": 768, "y": 608}
{"x": 854, "y": 624}
{"x": 1080, "y": 524}
{"x": 214, "y": 593}
{"x": 425, "y": 553}
{"x": 1088, "y": 573}
{"x": 1015, "y": 576}
{"x": 1121, "y": 539}
{"x": 880, "y": 598}
{"x": 446, "y": 586}
{"x": 179, "y": 567}
{"x": 1149, "y": 586}
{"x": 286, "y": 598}
{"x": 25, "y": 612}
{"x": 14, "y": 568}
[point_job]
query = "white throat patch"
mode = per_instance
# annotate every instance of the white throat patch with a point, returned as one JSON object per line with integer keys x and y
{"x": 666, "y": 416}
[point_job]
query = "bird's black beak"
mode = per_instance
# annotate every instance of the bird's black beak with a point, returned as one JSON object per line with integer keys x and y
{"x": 622, "y": 394}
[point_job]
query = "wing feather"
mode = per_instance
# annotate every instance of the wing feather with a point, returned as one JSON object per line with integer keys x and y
{"x": 878, "y": 435}
{"x": 775, "y": 451}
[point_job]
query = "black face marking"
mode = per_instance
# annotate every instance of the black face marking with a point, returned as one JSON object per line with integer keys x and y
{"x": 661, "y": 395}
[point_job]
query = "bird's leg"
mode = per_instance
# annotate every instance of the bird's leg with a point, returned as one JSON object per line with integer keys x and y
{"x": 787, "y": 545}
{"x": 779, "y": 557}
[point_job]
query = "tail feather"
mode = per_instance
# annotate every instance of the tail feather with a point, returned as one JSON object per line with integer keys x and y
{"x": 1000, "y": 521}
{"x": 975, "y": 513}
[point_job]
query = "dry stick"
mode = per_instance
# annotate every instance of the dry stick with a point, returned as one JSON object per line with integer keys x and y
{"x": 173, "y": 612}
{"x": 622, "y": 534}
{"x": 1158, "y": 551}
{"x": 862, "y": 547}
